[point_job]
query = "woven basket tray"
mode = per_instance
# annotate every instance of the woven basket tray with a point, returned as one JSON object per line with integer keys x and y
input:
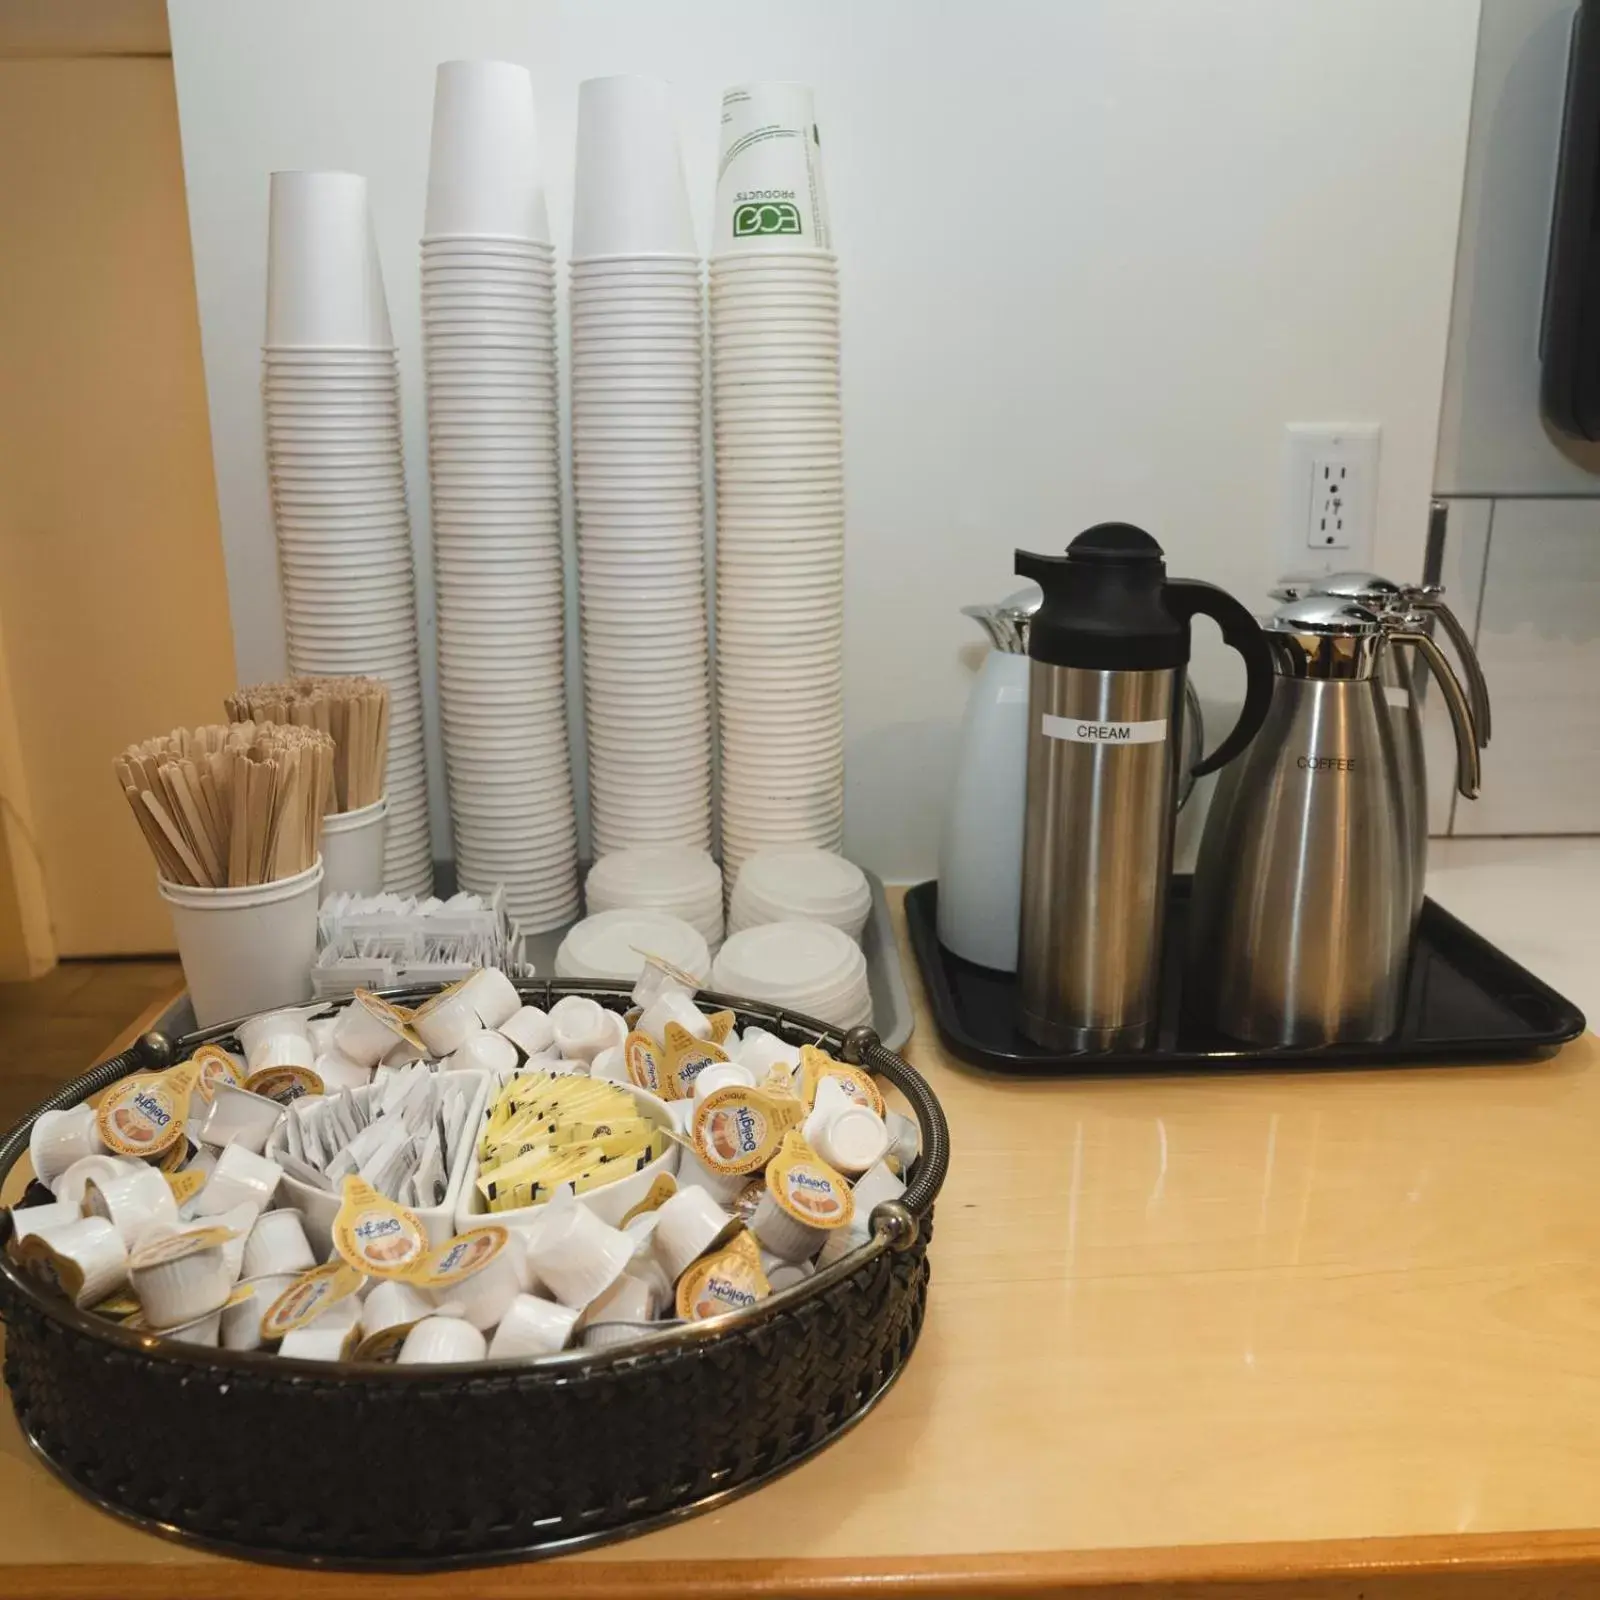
{"x": 259, "y": 1456}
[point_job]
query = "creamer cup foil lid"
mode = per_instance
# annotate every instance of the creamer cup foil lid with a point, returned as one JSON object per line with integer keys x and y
{"x": 284, "y": 1084}
{"x": 806, "y": 1188}
{"x": 721, "y": 1026}
{"x": 460, "y": 1257}
{"x": 816, "y": 1065}
{"x": 376, "y": 1236}
{"x": 145, "y": 1116}
{"x": 738, "y": 1130}
{"x": 175, "y": 1246}
{"x": 214, "y": 1066}
{"x": 646, "y": 1063}
{"x": 185, "y": 1185}
{"x": 729, "y": 1279}
{"x": 687, "y": 1058}
{"x": 662, "y": 1188}
{"x": 398, "y": 1017}
{"x": 308, "y": 1297}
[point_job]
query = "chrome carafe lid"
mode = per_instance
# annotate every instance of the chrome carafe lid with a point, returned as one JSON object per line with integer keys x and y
{"x": 1007, "y": 621}
{"x": 1402, "y": 601}
{"x": 1320, "y": 636}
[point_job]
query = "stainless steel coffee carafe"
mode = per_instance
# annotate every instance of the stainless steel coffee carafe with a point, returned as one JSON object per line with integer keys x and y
{"x": 1301, "y": 923}
{"x": 1109, "y": 653}
{"x": 1410, "y": 605}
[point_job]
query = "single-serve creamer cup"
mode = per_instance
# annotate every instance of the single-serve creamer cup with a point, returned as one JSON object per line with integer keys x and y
{"x": 442, "y": 1339}
{"x": 770, "y": 193}
{"x": 532, "y": 1326}
{"x": 574, "y": 1254}
{"x": 59, "y": 1138}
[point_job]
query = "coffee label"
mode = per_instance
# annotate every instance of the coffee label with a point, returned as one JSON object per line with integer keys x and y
{"x": 374, "y": 1234}
{"x": 1086, "y": 730}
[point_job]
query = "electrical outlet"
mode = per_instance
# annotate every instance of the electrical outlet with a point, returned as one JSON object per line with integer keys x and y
{"x": 1330, "y": 492}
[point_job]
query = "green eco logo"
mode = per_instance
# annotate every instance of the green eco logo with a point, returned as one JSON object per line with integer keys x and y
{"x": 769, "y": 216}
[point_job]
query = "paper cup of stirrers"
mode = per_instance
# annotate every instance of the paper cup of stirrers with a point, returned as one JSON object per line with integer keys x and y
{"x": 355, "y": 713}
{"x": 233, "y": 817}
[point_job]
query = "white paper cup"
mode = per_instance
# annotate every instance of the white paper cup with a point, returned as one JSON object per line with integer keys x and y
{"x": 353, "y": 842}
{"x": 240, "y": 1177}
{"x": 59, "y": 1138}
{"x": 483, "y": 161}
{"x": 532, "y": 1326}
{"x": 246, "y": 949}
{"x": 770, "y": 191}
{"x": 442, "y": 1339}
{"x": 277, "y": 1244}
{"x": 137, "y": 1204}
{"x": 240, "y": 1327}
{"x": 629, "y": 197}
{"x": 688, "y": 1225}
{"x": 324, "y": 283}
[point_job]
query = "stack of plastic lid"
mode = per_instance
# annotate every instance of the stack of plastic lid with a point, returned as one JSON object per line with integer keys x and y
{"x": 331, "y": 398}
{"x": 488, "y": 325}
{"x": 800, "y": 885}
{"x": 671, "y": 878}
{"x": 780, "y": 480}
{"x": 614, "y": 944}
{"x": 807, "y": 967}
{"x": 637, "y": 316}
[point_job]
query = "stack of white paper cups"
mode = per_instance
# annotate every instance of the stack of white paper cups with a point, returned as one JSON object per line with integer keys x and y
{"x": 636, "y": 374}
{"x": 780, "y": 480}
{"x": 488, "y": 324}
{"x": 331, "y": 396}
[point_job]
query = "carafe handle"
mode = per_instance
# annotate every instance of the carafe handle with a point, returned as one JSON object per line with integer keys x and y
{"x": 1477, "y": 685}
{"x": 1188, "y": 597}
{"x": 1468, "y": 773}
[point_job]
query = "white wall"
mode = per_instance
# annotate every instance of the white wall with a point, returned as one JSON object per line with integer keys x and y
{"x": 1095, "y": 255}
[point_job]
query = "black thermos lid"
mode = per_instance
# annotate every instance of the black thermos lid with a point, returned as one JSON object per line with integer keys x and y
{"x": 1105, "y": 603}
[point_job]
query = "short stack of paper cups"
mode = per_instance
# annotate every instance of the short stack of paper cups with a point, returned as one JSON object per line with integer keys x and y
{"x": 636, "y": 393}
{"x": 780, "y": 480}
{"x": 331, "y": 398}
{"x": 488, "y": 324}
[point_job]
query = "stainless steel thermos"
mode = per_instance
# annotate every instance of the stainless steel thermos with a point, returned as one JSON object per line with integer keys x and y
{"x": 1302, "y": 915}
{"x": 1109, "y": 653}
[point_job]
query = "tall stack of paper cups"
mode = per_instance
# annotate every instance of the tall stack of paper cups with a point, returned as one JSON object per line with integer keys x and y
{"x": 780, "y": 479}
{"x": 489, "y": 350}
{"x": 636, "y": 395}
{"x": 331, "y": 398}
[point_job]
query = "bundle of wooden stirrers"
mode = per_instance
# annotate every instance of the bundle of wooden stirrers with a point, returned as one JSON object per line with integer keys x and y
{"x": 225, "y": 806}
{"x": 355, "y": 711}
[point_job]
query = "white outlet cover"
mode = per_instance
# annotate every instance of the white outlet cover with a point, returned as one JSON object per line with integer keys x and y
{"x": 1355, "y": 444}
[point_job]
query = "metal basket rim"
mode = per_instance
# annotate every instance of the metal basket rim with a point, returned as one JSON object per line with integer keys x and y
{"x": 896, "y": 1224}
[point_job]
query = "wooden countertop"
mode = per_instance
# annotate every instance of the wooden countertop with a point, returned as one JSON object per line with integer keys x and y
{"x": 1337, "y": 1333}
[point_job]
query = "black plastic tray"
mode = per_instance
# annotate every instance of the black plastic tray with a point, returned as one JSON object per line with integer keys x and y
{"x": 1465, "y": 1000}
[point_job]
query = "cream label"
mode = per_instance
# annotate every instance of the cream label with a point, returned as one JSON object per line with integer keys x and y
{"x": 1085, "y": 730}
